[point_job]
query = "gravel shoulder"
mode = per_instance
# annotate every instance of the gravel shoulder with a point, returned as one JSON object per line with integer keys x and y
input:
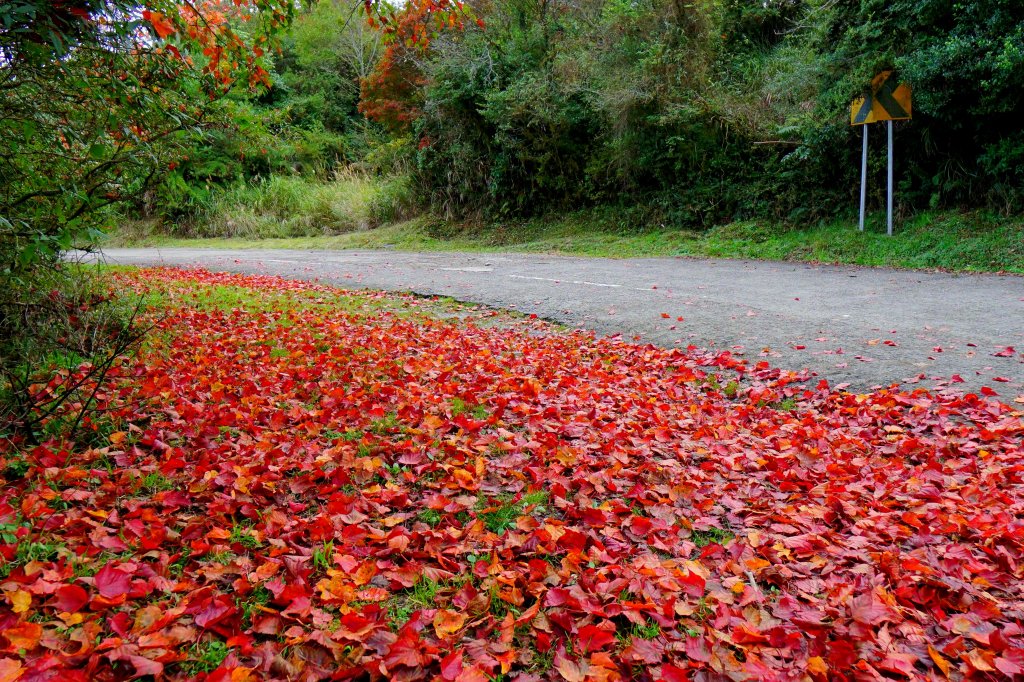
{"x": 863, "y": 326}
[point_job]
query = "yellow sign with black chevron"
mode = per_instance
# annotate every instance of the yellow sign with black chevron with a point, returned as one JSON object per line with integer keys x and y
{"x": 888, "y": 101}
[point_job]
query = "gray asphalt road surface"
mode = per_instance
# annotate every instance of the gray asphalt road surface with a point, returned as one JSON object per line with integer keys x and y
{"x": 862, "y": 326}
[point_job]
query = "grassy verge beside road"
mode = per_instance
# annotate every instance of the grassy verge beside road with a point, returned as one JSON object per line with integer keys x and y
{"x": 949, "y": 241}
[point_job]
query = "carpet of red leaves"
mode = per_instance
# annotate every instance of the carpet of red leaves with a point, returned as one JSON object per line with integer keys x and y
{"x": 300, "y": 491}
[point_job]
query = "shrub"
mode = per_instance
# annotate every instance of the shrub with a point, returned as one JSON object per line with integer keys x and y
{"x": 62, "y": 330}
{"x": 295, "y": 206}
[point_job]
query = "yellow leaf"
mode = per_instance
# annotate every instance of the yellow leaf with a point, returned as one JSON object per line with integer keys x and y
{"x": 20, "y": 601}
{"x": 816, "y": 665}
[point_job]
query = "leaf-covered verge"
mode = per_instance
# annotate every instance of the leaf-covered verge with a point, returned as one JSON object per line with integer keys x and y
{"x": 288, "y": 485}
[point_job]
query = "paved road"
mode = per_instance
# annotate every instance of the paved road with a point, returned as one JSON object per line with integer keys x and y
{"x": 851, "y": 325}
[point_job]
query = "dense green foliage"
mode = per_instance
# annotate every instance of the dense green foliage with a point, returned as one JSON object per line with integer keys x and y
{"x": 303, "y": 123}
{"x": 85, "y": 121}
{"x": 676, "y": 113}
{"x": 687, "y": 114}
{"x": 715, "y": 111}
{"x": 965, "y": 61}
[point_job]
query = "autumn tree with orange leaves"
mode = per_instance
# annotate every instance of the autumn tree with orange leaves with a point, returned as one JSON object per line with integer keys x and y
{"x": 95, "y": 94}
{"x": 97, "y": 97}
{"x": 392, "y": 94}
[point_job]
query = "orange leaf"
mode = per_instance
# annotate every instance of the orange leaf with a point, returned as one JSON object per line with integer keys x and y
{"x": 24, "y": 636}
{"x": 241, "y": 675}
{"x": 161, "y": 24}
{"x": 980, "y": 660}
{"x": 571, "y": 671}
{"x": 463, "y": 478}
{"x": 448, "y": 623}
{"x": 10, "y": 669}
{"x": 939, "y": 661}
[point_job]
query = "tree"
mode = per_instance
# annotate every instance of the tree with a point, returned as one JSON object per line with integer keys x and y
{"x": 96, "y": 98}
{"x": 94, "y": 93}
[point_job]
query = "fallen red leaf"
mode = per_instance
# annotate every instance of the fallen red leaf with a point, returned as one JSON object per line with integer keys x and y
{"x": 112, "y": 582}
{"x": 591, "y": 638}
{"x": 70, "y": 598}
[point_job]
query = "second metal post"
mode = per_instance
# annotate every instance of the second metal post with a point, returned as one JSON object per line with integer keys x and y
{"x": 863, "y": 175}
{"x": 888, "y": 205}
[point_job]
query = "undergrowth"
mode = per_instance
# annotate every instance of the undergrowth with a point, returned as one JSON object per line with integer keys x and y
{"x": 977, "y": 241}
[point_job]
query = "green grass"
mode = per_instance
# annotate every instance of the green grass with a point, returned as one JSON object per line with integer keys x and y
{"x": 241, "y": 534}
{"x": 253, "y": 603}
{"x": 431, "y": 517}
{"x": 294, "y": 206}
{"x": 28, "y": 551}
{"x": 420, "y": 596}
{"x": 323, "y": 556}
{"x": 205, "y": 657}
{"x": 459, "y": 406}
{"x": 975, "y": 241}
{"x": 503, "y": 516}
{"x": 650, "y": 630}
{"x": 227, "y": 298}
{"x": 713, "y": 535}
{"x": 155, "y": 482}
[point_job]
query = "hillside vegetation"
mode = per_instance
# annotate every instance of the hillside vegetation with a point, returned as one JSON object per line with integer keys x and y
{"x": 684, "y": 115}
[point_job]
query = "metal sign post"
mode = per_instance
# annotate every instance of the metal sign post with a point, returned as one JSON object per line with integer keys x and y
{"x": 888, "y": 199}
{"x": 887, "y": 102}
{"x": 863, "y": 176}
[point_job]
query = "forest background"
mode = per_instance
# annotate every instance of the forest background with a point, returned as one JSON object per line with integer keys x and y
{"x": 650, "y": 113}
{"x": 642, "y": 113}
